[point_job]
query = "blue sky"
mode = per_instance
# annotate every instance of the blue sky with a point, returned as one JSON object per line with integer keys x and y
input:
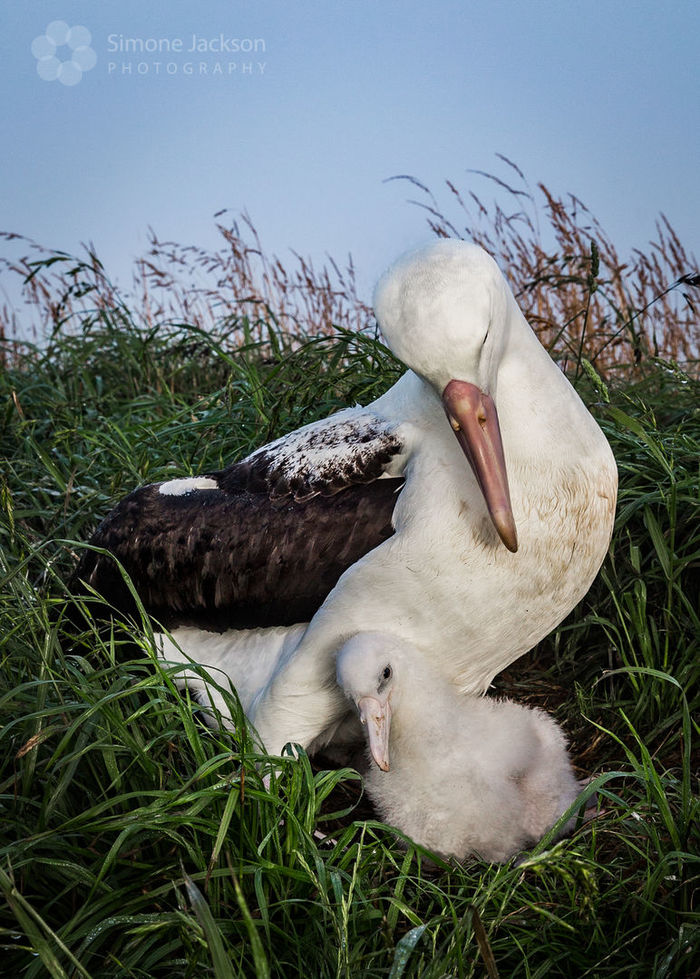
{"x": 600, "y": 99}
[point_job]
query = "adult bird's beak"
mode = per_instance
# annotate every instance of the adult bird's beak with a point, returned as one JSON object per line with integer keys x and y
{"x": 473, "y": 417}
{"x": 377, "y": 717}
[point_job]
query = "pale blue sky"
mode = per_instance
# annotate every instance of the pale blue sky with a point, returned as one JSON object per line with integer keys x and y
{"x": 596, "y": 98}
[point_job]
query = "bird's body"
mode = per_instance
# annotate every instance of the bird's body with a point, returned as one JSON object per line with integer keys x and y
{"x": 373, "y": 520}
{"x": 464, "y": 775}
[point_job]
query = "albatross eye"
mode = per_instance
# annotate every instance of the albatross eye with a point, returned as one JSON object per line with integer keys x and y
{"x": 384, "y": 678}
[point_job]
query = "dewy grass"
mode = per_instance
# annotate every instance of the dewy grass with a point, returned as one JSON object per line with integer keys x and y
{"x": 135, "y": 840}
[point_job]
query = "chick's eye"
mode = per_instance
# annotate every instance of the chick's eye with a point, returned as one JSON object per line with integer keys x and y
{"x": 386, "y": 675}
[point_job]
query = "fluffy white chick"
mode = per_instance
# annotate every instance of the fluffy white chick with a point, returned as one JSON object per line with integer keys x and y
{"x": 458, "y": 773}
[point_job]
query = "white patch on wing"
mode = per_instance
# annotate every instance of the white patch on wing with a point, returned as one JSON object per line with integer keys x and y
{"x": 178, "y": 487}
{"x": 322, "y": 441}
{"x": 350, "y": 447}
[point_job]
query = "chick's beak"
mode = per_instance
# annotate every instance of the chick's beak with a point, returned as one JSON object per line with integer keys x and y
{"x": 377, "y": 716}
{"x": 474, "y": 420}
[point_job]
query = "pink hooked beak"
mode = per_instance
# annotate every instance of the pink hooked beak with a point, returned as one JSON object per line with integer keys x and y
{"x": 472, "y": 415}
{"x": 377, "y": 716}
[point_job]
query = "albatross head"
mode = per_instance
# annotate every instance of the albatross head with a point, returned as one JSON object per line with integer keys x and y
{"x": 366, "y": 671}
{"x": 444, "y": 310}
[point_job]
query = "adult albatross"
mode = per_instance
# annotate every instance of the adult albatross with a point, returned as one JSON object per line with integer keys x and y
{"x": 467, "y": 511}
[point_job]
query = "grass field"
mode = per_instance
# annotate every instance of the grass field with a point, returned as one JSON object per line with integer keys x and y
{"x": 136, "y": 842}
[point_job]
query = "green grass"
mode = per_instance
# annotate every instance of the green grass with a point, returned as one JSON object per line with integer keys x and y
{"x": 136, "y": 842}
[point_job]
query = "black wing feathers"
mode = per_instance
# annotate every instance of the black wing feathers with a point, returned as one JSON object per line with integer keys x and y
{"x": 263, "y": 549}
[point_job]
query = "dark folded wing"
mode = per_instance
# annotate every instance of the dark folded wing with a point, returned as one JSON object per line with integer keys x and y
{"x": 264, "y": 542}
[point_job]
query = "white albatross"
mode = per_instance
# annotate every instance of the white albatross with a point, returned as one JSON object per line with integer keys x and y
{"x": 460, "y": 774}
{"x": 374, "y": 520}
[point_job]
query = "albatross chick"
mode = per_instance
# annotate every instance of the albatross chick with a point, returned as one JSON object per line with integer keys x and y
{"x": 460, "y": 774}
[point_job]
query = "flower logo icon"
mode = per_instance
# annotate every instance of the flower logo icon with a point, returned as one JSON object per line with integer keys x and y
{"x": 78, "y": 56}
